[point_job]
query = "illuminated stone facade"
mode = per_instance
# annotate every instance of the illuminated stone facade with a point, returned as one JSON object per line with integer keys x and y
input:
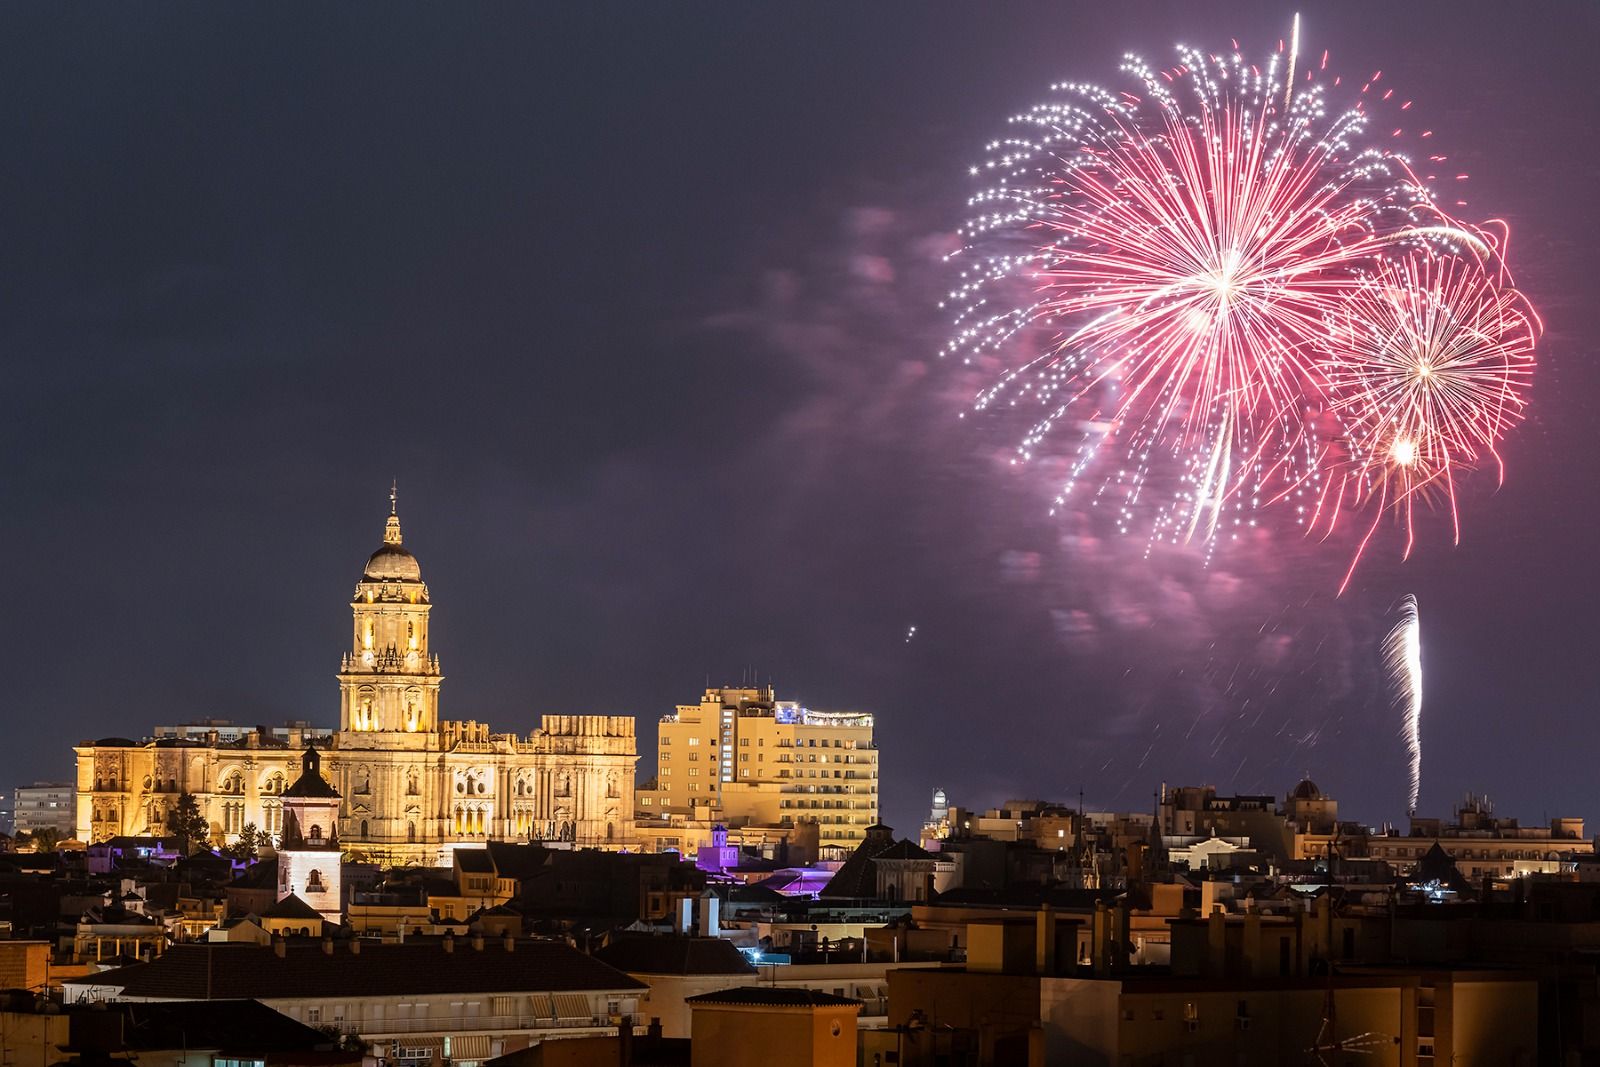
{"x": 412, "y": 785}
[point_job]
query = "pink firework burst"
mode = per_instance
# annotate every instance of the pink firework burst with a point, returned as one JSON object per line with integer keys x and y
{"x": 1427, "y": 367}
{"x": 1171, "y": 275}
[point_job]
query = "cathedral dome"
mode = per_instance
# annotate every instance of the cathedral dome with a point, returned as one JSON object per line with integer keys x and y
{"x": 391, "y": 563}
{"x": 1307, "y": 790}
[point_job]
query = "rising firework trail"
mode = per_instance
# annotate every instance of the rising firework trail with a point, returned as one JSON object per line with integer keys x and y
{"x": 1198, "y": 281}
{"x": 1402, "y": 657}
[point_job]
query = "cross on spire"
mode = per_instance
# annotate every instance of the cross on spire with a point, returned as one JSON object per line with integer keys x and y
{"x": 394, "y": 496}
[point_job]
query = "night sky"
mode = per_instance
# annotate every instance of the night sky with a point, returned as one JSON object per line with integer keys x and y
{"x": 638, "y": 304}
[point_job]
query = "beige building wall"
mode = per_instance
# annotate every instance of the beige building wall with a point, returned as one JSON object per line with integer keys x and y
{"x": 24, "y": 965}
{"x": 726, "y": 1035}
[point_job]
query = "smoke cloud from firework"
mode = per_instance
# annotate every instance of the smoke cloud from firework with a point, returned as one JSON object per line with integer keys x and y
{"x": 1223, "y": 300}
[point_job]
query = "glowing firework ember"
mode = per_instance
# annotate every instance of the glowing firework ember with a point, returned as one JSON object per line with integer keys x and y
{"x": 1402, "y": 657}
{"x": 1217, "y": 273}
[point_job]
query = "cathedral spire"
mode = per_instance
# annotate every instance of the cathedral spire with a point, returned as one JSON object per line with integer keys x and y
{"x": 391, "y": 532}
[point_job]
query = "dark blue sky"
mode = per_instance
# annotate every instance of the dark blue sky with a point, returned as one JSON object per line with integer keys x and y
{"x": 637, "y": 303}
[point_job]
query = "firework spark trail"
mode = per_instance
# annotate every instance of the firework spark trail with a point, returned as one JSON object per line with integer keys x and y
{"x": 1172, "y": 272}
{"x": 1402, "y": 657}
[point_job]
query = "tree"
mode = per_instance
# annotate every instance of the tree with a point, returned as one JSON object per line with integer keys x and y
{"x": 188, "y": 825}
{"x": 44, "y": 839}
{"x": 244, "y": 849}
{"x": 263, "y": 842}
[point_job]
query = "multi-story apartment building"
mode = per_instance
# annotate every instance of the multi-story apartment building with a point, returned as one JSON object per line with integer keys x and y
{"x": 45, "y": 805}
{"x": 755, "y": 760}
{"x": 1482, "y": 844}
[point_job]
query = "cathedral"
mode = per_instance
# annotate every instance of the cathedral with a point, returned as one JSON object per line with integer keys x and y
{"x": 412, "y": 785}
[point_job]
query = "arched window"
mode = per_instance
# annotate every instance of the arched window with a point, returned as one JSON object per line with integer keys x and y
{"x": 314, "y": 882}
{"x": 411, "y": 831}
{"x": 316, "y": 834}
{"x": 363, "y": 829}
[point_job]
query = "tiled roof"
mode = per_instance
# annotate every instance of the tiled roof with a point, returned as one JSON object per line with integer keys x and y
{"x": 512, "y": 860}
{"x": 238, "y": 1026}
{"x": 772, "y": 996}
{"x": 312, "y": 784}
{"x": 904, "y": 849}
{"x": 292, "y": 907}
{"x": 474, "y": 860}
{"x": 857, "y": 878}
{"x": 228, "y": 970}
{"x": 675, "y": 954}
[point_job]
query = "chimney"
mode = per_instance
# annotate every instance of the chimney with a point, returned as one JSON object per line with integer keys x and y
{"x": 1122, "y": 933}
{"x": 327, "y": 946}
{"x": 1044, "y": 941}
{"x": 710, "y": 916}
{"x": 449, "y": 942}
{"x": 1102, "y": 936}
{"x": 280, "y": 947}
{"x": 477, "y": 942}
{"x": 1216, "y": 942}
{"x": 625, "y": 1042}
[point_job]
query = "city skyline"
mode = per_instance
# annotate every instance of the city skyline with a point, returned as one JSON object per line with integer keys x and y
{"x": 659, "y": 423}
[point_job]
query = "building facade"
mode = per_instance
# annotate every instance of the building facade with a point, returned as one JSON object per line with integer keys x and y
{"x": 44, "y": 806}
{"x": 413, "y": 785}
{"x": 1484, "y": 845}
{"x": 746, "y": 758}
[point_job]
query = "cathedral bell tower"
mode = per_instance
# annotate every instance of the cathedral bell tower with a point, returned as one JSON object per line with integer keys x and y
{"x": 309, "y": 853}
{"x": 389, "y": 681}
